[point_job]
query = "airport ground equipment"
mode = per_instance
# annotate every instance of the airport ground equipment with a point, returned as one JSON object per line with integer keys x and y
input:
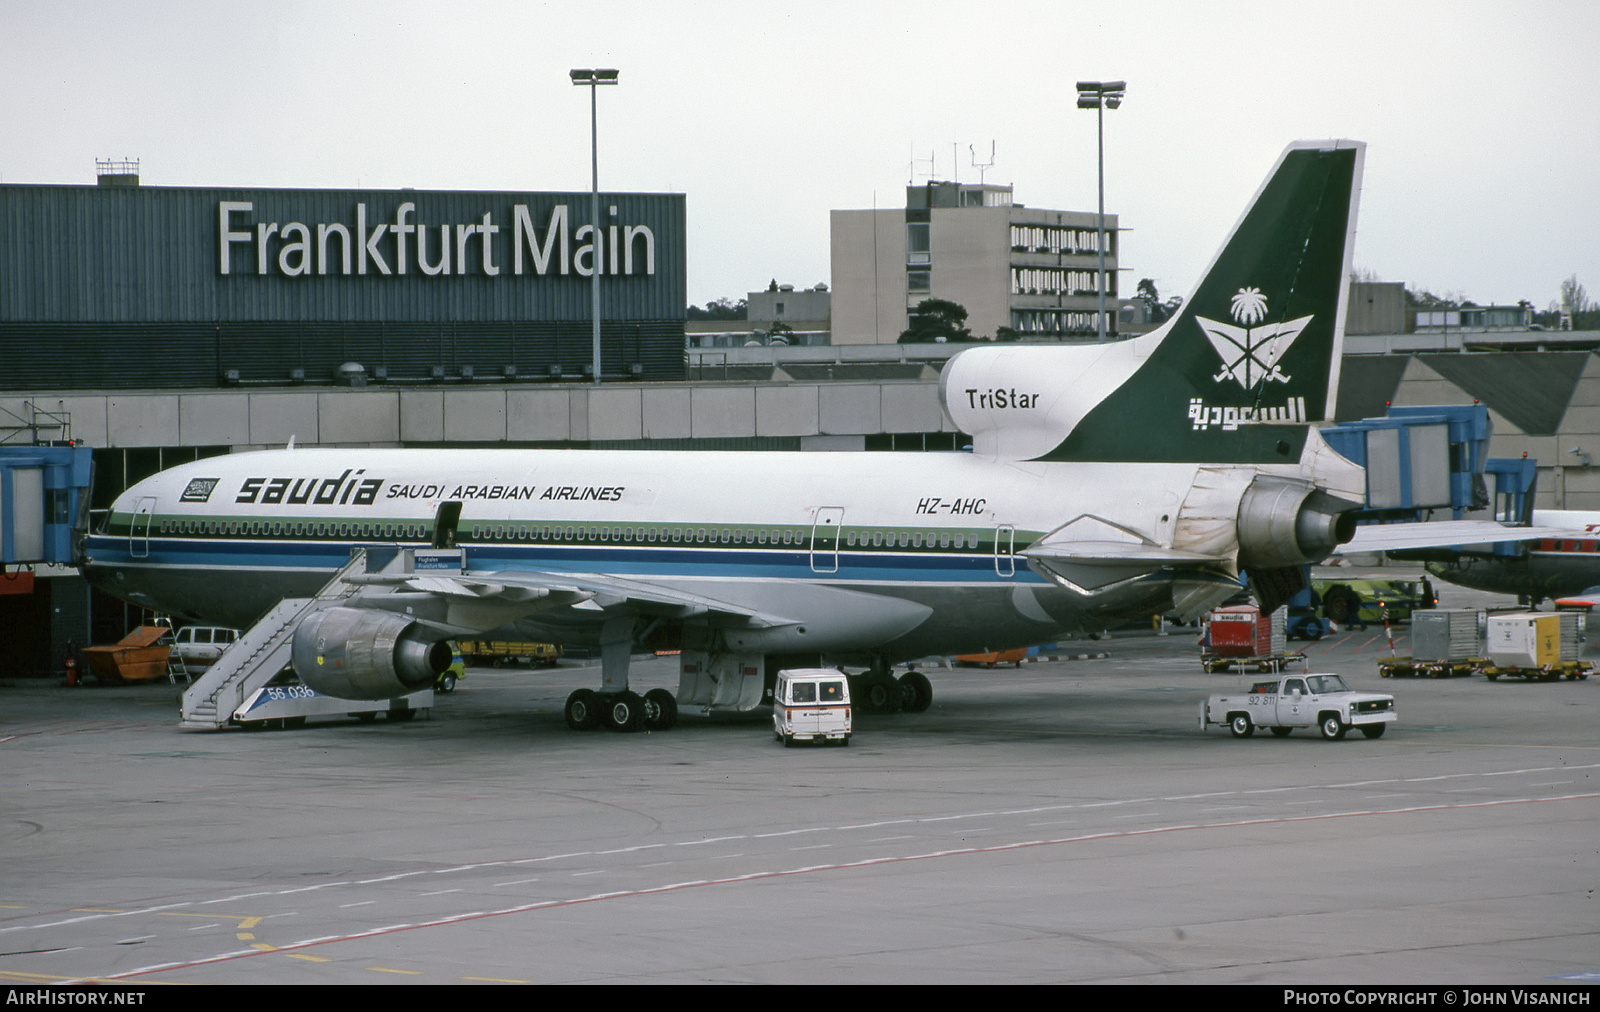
{"x": 1537, "y": 646}
{"x": 230, "y": 692}
{"x": 811, "y": 704}
{"x": 1324, "y": 702}
{"x": 503, "y": 652}
{"x": 1240, "y": 636}
{"x": 1444, "y": 644}
{"x": 141, "y": 656}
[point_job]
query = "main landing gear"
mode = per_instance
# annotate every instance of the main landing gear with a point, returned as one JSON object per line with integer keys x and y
{"x": 878, "y": 691}
{"x": 616, "y": 706}
{"x": 587, "y": 709}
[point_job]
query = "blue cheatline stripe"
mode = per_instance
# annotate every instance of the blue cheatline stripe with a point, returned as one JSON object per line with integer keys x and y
{"x": 747, "y": 563}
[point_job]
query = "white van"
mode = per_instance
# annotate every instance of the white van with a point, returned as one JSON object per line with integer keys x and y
{"x": 811, "y": 704}
{"x": 197, "y": 647}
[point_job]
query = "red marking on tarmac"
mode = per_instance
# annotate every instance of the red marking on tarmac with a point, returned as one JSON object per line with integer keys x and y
{"x": 1127, "y": 834}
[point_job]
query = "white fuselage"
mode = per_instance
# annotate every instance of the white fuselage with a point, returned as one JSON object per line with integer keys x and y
{"x": 225, "y": 538}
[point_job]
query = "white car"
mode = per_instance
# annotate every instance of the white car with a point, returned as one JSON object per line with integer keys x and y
{"x": 197, "y": 647}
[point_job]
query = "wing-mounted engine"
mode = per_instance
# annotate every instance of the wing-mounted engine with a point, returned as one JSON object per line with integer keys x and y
{"x": 363, "y": 653}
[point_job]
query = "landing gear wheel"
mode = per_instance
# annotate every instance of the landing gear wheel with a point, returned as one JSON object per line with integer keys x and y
{"x": 916, "y": 692}
{"x": 883, "y": 697}
{"x": 1373, "y": 730}
{"x": 626, "y": 711}
{"x": 583, "y": 710}
{"x": 660, "y": 710}
{"x": 1282, "y": 732}
{"x": 1240, "y": 726}
{"x": 1333, "y": 728}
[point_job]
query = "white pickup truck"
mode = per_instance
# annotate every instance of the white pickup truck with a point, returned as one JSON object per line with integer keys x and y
{"x": 1283, "y": 704}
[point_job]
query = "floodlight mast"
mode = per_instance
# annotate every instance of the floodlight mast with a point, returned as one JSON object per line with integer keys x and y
{"x": 591, "y": 79}
{"x": 1099, "y": 95}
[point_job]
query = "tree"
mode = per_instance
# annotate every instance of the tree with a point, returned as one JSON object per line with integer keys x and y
{"x": 1574, "y": 298}
{"x": 717, "y": 309}
{"x": 1159, "y": 311}
{"x": 936, "y": 320}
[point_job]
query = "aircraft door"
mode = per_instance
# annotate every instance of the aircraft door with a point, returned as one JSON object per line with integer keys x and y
{"x": 825, "y": 539}
{"x": 139, "y": 529}
{"x": 1005, "y": 540}
{"x": 445, "y": 522}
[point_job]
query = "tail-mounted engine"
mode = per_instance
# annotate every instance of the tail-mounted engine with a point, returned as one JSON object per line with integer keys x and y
{"x": 357, "y": 653}
{"x": 1289, "y": 522}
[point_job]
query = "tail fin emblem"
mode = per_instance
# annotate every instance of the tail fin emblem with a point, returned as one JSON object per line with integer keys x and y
{"x": 1250, "y": 352}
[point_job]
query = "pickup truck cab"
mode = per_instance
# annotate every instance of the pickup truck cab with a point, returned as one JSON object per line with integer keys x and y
{"x": 811, "y": 704}
{"x": 1283, "y": 704}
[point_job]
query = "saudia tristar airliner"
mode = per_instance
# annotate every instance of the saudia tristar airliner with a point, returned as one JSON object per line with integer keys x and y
{"x": 1105, "y": 482}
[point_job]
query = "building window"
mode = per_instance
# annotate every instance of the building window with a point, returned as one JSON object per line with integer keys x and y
{"x": 919, "y": 282}
{"x": 918, "y": 245}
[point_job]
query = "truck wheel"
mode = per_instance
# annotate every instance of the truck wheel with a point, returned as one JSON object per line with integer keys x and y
{"x": 1240, "y": 725}
{"x": 1374, "y": 730}
{"x": 1282, "y": 732}
{"x": 1332, "y": 727}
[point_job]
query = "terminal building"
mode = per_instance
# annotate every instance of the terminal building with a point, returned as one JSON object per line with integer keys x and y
{"x": 122, "y": 286}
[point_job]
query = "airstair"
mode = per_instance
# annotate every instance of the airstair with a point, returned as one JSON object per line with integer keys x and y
{"x": 231, "y": 688}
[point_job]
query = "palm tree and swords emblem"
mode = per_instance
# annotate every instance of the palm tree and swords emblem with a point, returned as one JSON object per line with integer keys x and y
{"x": 1250, "y": 352}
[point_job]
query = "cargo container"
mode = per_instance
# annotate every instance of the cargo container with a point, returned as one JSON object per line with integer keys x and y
{"x": 1444, "y": 643}
{"x": 1240, "y": 636}
{"x": 1533, "y": 645}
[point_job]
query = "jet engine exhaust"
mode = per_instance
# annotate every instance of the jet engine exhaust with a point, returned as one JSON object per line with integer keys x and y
{"x": 1289, "y": 522}
{"x": 357, "y": 653}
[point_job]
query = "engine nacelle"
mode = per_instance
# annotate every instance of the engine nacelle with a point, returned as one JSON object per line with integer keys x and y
{"x": 359, "y": 653}
{"x": 1287, "y": 522}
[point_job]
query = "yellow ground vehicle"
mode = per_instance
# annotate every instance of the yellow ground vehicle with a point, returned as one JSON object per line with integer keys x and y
{"x": 502, "y": 652}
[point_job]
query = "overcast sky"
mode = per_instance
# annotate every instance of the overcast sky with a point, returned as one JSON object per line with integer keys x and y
{"x": 1483, "y": 118}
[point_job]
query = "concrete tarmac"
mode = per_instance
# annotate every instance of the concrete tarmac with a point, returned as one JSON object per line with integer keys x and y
{"x": 1061, "y": 822}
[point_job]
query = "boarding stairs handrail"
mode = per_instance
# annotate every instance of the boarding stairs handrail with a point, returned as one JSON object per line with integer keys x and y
{"x": 263, "y": 651}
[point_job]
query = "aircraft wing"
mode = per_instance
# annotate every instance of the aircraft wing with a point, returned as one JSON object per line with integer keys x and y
{"x": 485, "y": 600}
{"x": 1442, "y": 533}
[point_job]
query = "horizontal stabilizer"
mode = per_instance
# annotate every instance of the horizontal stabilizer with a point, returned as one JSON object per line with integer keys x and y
{"x": 1441, "y": 533}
